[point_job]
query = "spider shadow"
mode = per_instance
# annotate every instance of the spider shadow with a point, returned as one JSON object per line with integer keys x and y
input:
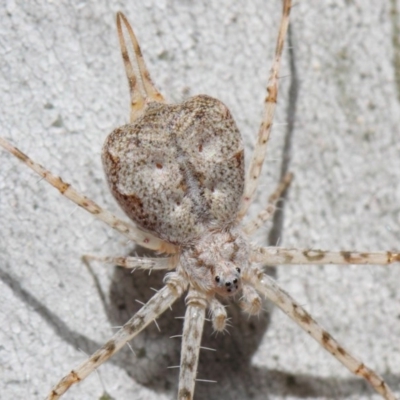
{"x": 155, "y": 350}
{"x": 229, "y": 365}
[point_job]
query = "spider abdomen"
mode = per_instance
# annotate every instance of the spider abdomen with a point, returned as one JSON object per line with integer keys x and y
{"x": 178, "y": 170}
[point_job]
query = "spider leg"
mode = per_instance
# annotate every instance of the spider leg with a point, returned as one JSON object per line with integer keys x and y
{"x": 148, "y": 313}
{"x": 278, "y": 255}
{"x": 264, "y": 215}
{"x": 131, "y": 231}
{"x": 218, "y": 314}
{"x": 270, "y": 289}
{"x": 141, "y": 87}
{"x": 192, "y": 333}
{"x": 158, "y": 263}
{"x": 250, "y": 301}
{"x": 266, "y": 124}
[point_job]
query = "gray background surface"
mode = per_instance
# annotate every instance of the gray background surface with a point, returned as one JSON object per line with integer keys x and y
{"x": 63, "y": 90}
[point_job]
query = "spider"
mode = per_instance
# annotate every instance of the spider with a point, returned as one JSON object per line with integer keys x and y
{"x": 210, "y": 256}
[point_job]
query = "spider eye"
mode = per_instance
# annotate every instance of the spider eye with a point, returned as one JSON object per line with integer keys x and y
{"x": 238, "y": 269}
{"x": 217, "y": 279}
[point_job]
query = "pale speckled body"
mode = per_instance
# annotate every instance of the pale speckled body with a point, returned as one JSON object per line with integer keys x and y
{"x": 178, "y": 170}
{"x": 215, "y": 262}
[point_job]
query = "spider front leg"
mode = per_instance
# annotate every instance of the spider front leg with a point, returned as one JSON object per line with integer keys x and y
{"x": 270, "y": 289}
{"x": 191, "y": 339}
{"x": 149, "y": 312}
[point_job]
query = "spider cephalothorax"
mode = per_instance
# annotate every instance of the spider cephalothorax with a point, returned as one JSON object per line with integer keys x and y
{"x": 215, "y": 262}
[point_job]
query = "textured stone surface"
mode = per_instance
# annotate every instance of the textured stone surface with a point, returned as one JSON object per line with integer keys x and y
{"x": 63, "y": 90}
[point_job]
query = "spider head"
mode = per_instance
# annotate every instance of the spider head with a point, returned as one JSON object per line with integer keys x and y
{"x": 227, "y": 279}
{"x": 214, "y": 263}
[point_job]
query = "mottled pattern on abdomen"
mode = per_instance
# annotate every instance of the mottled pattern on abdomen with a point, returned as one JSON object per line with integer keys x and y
{"x": 179, "y": 169}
